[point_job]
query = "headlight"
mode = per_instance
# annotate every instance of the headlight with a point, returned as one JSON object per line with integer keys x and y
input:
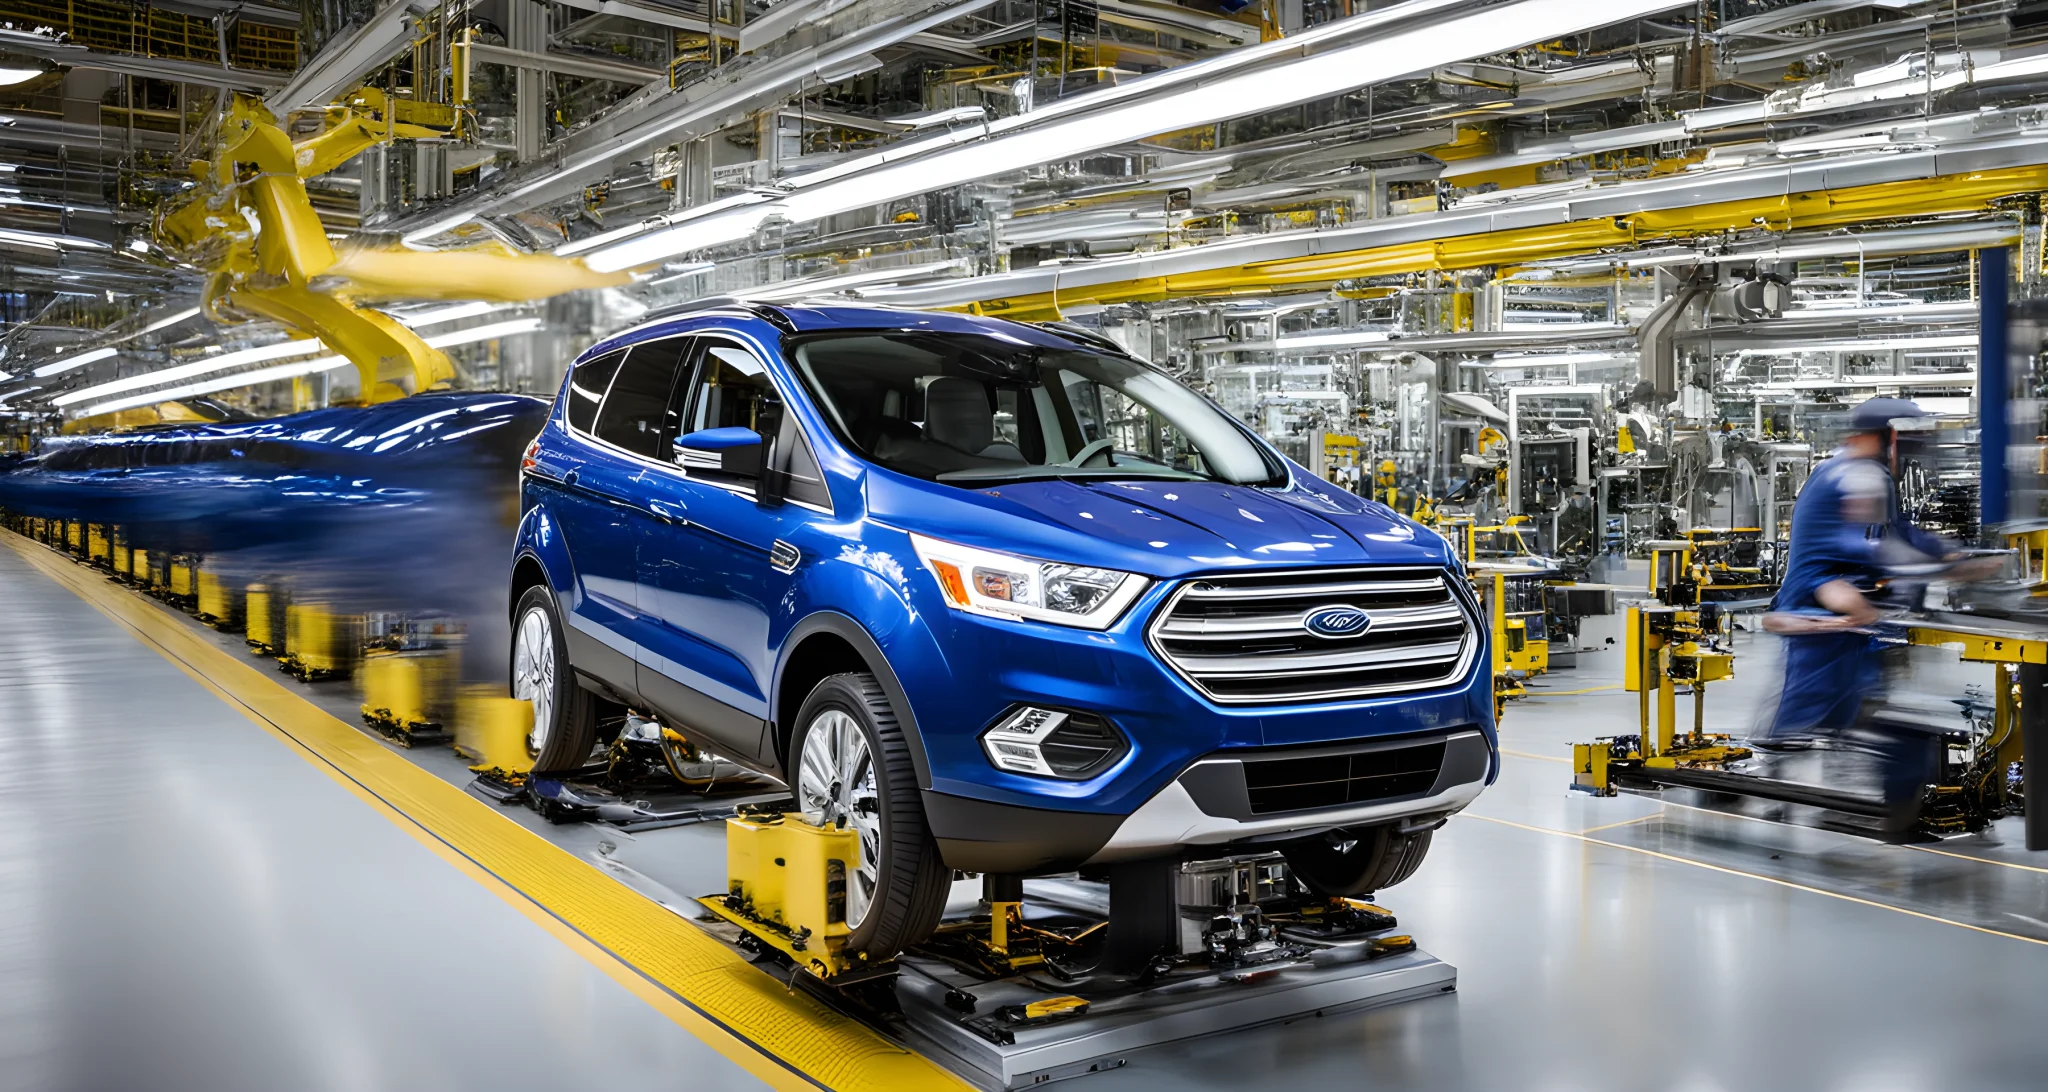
{"x": 986, "y": 582}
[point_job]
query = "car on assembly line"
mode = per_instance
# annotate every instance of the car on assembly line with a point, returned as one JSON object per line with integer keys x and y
{"x": 1000, "y": 596}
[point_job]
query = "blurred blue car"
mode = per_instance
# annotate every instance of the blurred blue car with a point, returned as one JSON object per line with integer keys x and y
{"x": 1001, "y": 597}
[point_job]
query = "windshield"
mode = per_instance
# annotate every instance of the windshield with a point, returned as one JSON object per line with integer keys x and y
{"x": 975, "y": 408}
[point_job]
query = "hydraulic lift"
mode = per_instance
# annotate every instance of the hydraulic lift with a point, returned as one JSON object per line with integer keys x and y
{"x": 1040, "y": 980}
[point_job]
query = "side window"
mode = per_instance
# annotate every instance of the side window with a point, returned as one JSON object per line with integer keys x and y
{"x": 587, "y": 386}
{"x": 637, "y": 406}
{"x": 731, "y": 390}
{"x": 674, "y": 354}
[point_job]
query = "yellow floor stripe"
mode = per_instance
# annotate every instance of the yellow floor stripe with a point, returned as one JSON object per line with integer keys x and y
{"x": 1542, "y": 693}
{"x": 1757, "y": 876}
{"x": 1537, "y": 757}
{"x": 787, "y": 1039}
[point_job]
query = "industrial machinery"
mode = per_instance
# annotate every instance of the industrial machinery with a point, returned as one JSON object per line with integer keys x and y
{"x": 1678, "y": 640}
{"x": 247, "y": 221}
{"x": 1514, "y": 597}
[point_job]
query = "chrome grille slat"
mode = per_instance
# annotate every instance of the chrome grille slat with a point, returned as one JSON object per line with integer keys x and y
{"x": 1244, "y": 639}
{"x": 1390, "y": 587}
{"x": 1340, "y": 660}
{"x": 1263, "y": 625}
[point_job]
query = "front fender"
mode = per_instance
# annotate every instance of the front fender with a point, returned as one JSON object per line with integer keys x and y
{"x": 853, "y": 633}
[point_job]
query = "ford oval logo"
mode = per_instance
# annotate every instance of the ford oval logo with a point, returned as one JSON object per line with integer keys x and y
{"x": 1336, "y": 621}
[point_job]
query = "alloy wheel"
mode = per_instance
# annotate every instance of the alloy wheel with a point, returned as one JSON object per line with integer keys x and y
{"x": 533, "y": 673}
{"x": 836, "y": 788}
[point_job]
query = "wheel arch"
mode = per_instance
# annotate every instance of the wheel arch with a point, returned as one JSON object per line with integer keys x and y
{"x": 825, "y": 644}
{"x": 527, "y": 572}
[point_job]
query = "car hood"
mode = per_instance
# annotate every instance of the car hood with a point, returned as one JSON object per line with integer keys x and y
{"x": 1161, "y": 528}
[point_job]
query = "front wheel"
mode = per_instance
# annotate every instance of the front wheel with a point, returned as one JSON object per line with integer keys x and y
{"x": 852, "y": 769}
{"x": 1358, "y": 861}
{"x": 564, "y": 714}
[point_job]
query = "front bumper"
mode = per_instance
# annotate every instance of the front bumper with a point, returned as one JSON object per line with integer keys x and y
{"x": 1208, "y": 804}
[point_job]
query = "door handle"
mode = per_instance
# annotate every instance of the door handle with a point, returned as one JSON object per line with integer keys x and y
{"x": 666, "y": 514}
{"x": 569, "y": 478}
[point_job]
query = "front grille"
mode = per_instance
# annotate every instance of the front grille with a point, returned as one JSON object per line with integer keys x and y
{"x": 1329, "y": 781}
{"x": 1245, "y": 639}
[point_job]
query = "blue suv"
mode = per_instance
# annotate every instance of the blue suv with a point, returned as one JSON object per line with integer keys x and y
{"x": 1000, "y": 596}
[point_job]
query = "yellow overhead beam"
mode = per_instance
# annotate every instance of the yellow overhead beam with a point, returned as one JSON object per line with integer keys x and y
{"x": 1960, "y": 193}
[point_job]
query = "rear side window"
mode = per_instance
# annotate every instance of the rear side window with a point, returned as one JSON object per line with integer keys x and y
{"x": 636, "y": 409}
{"x": 586, "y": 388}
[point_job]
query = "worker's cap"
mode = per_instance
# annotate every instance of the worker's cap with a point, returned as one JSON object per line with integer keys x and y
{"x": 1878, "y": 414}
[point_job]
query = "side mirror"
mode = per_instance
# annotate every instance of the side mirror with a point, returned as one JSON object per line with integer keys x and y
{"x": 731, "y": 453}
{"x": 718, "y": 440}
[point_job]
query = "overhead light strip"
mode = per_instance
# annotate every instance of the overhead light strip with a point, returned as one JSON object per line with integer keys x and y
{"x": 862, "y": 184}
{"x": 303, "y": 367}
{"x": 192, "y": 369}
{"x": 59, "y": 367}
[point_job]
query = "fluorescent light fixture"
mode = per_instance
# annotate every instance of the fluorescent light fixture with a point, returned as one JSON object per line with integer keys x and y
{"x": 298, "y": 368}
{"x": 450, "y": 314}
{"x": 5, "y": 376}
{"x": 59, "y": 367}
{"x": 13, "y": 74}
{"x": 171, "y": 320}
{"x": 18, "y": 394}
{"x": 891, "y": 174}
{"x": 219, "y": 383}
{"x": 486, "y": 333}
{"x": 48, "y": 241}
{"x": 193, "y": 369}
{"x": 1332, "y": 341}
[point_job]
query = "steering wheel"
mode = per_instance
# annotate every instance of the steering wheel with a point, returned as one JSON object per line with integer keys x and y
{"x": 1100, "y": 447}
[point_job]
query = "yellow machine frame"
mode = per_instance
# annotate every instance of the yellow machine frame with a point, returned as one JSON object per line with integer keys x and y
{"x": 786, "y": 887}
{"x": 1664, "y": 645}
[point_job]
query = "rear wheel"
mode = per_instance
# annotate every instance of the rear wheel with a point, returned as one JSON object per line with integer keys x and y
{"x": 1357, "y": 861}
{"x": 564, "y": 714}
{"x": 851, "y": 769}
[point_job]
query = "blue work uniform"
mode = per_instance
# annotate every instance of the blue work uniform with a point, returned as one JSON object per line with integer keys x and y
{"x": 1827, "y": 675}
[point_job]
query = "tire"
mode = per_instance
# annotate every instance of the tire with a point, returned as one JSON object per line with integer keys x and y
{"x": 849, "y": 763}
{"x": 564, "y": 714}
{"x": 1356, "y": 862}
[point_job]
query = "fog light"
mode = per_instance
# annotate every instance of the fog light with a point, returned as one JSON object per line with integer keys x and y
{"x": 1044, "y": 742}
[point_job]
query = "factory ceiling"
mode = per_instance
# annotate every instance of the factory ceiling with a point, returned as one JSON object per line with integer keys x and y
{"x": 1041, "y": 158}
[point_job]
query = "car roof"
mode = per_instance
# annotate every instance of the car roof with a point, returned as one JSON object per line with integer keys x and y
{"x": 825, "y": 316}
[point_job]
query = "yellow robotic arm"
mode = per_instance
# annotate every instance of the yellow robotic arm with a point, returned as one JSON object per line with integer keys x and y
{"x": 250, "y": 225}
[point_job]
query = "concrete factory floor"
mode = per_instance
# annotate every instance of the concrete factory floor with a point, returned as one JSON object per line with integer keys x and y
{"x": 196, "y": 897}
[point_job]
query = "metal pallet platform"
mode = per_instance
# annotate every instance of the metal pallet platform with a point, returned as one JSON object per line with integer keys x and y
{"x": 1341, "y": 979}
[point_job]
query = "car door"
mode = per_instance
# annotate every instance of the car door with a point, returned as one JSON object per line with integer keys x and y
{"x": 713, "y": 573}
{"x": 618, "y": 447}
{"x": 596, "y": 533}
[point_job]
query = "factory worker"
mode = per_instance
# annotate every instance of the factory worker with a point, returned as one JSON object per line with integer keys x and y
{"x": 1846, "y": 530}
